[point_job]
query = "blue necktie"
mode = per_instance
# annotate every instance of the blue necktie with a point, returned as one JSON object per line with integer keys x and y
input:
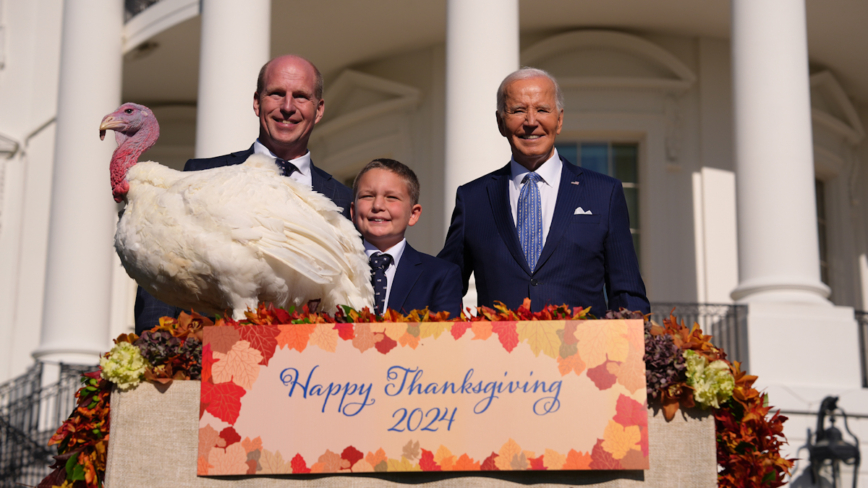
{"x": 285, "y": 166}
{"x": 380, "y": 262}
{"x": 530, "y": 219}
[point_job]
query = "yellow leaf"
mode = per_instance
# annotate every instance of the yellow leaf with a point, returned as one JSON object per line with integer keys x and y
{"x": 325, "y": 336}
{"x": 541, "y": 336}
{"x": 403, "y": 465}
{"x": 597, "y": 339}
{"x": 273, "y": 463}
{"x": 553, "y": 459}
{"x": 240, "y": 365}
{"x": 394, "y": 330}
{"x": 429, "y": 329}
{"x": 619, "y": 440}
{"x": 362, "y": 466}
{"x": 444, "y": 458}
{"x": 503, "y": 461}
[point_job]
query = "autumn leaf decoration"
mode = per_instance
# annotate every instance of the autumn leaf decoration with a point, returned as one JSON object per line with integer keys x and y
{"x": 748, "y": 437}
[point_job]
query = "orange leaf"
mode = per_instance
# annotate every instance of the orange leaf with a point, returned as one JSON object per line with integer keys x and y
{"x": 296, "y": 336}
{"x": 577, "y": 460}
{"x": 465, "y": 463}
{"x": 481, "y": 330}
{"x": 572, "y": 363}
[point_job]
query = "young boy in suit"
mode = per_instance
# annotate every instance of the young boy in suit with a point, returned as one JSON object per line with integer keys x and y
{"x": 385, "y": 203}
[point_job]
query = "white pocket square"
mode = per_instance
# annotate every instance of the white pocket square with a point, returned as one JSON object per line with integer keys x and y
{"x": 579, "y": 211}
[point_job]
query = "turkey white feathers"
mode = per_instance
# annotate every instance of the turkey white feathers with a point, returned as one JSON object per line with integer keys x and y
{"x": 229, "y": 237}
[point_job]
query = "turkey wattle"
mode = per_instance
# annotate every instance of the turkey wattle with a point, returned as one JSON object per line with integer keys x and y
{"x": 230, "y": 237}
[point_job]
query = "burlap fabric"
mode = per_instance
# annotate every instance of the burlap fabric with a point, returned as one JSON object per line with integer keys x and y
{"x": 154, "y": 443}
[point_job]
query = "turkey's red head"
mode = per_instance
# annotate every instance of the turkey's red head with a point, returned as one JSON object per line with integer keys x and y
{"x": 136, "y": 130}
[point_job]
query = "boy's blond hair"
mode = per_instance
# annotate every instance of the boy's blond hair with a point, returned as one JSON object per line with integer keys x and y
{"x": 396, "y": 167}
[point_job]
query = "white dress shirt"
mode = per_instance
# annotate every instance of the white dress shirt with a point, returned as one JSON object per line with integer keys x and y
{"x": 396, "y": 252}
{"x": 550, "y": 172}
{"x": 302, "y": 163}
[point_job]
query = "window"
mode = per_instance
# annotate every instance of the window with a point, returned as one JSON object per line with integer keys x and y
{"x": 820, "y": 188}
{"x": 617, "y": 159}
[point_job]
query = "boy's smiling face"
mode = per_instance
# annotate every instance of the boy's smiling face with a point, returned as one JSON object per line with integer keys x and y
{"x": 383, "y": 209}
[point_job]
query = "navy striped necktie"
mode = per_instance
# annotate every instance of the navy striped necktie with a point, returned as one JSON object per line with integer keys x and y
{"x": 286, "y": 167}
{"x": 380, "y": 262}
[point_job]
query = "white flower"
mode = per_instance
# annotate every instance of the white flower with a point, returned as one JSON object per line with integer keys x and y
{"x": 712, "y": 383}
{"x": 125, "y": 366}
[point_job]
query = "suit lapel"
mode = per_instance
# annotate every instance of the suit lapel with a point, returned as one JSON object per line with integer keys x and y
{"x": 568, "y": 199}
{"x": 498, "y": 194}
{"x": 406, "y": 275}
{"x": 321, "y": 182}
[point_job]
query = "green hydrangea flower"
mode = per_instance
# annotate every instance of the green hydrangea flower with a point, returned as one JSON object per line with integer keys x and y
{"x": 125, "y": 366}
{"x": 712, "y": 383}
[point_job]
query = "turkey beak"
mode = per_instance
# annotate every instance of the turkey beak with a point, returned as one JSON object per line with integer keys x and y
{"x": 108, "y": 123}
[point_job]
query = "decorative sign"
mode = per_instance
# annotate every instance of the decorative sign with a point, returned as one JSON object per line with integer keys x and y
{"x": 443, "y": 396}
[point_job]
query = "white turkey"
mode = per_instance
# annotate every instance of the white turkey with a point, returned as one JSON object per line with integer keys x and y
{"x": 228, "y": 238}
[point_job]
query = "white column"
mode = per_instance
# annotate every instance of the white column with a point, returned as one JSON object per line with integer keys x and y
{"x": 235, "y": 43}
{"x": 797, "y": 341}
{"x": 777, "y": 225}
{"x": 78, "y": 283}
{"x": 481, "y": 49}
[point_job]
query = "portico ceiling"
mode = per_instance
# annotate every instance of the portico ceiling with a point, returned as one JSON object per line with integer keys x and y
{"x": 336, "y": 34}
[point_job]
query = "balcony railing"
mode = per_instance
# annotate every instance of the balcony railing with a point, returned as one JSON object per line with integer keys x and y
{"x": 134, "y": 7}
{"x": 726, "y": 323}
{"x": 29, "y": 416}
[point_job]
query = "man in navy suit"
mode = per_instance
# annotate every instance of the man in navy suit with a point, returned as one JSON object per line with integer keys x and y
{"x": 386, "y": 203}
{"x": 288, "y": 102}
{"x": 541, "y": 227}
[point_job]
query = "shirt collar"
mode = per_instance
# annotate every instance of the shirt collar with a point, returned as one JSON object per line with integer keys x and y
{"x": 548, "y": 170}
{"x": 302, "y": 163}
{"x": 395, "y": 251}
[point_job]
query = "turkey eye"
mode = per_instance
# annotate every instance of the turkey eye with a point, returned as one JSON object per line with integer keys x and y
{"x": 128, "y": 111}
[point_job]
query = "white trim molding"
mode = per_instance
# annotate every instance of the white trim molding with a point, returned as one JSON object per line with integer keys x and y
{"x": 155, "y": 19}
{"x": 682, "y": 78}
{"x": 849, "y": 127}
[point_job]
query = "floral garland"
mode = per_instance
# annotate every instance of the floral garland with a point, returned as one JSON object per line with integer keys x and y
{"x": 683, "y": 369}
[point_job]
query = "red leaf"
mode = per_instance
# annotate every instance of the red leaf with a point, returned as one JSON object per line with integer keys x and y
{"x": 262, "y": 338}
{"x": 459, "y": 328}
{"x": 251, "y": 466}
{"x": 602, "y": 377}
{"x": 207, "y": 362}
{"x": 630, "y": 412}
{"x": 488, "y": 464}
{"x": 507, "y": 333}
{"x": 600, "y": 459}
{"x": 224, "y": 400}
{"x": 427, "y": 462}
{"x": 536, "y": 464}
{"x": 298, "y": 465}
{"x": 352, "y": 455}
{"x": 230, "y": 436}
{"x": 386, "y": 344}
{"x": 345, "y": 331}
{"x": 282, "y": 316}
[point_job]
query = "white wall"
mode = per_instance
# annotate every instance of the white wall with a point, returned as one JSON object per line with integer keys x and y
{"x": 28, "y": 100}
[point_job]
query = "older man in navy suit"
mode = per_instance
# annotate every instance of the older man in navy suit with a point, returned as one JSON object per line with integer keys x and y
{"x": 288, "y": 102}
{"x": 541, "y": 227}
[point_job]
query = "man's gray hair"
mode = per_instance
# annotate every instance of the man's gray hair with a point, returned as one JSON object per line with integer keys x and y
{"x": 523, "y": 74}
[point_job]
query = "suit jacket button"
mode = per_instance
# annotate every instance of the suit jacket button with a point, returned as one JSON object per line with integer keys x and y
{"x": 534, "y": 282}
